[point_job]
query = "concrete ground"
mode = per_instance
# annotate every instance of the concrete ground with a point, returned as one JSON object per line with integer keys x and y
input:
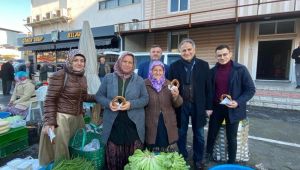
{"x": 274, "y": 139}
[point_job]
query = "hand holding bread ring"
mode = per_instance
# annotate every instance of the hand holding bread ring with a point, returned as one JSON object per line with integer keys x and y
{"x": 117, "y": 103}
{"x": 174, "y": 84}
{"x": 175, "y": 92}
{"x": 227, "y": 100}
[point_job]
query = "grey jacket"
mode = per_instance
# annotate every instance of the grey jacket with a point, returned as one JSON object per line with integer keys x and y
{"x": 135, "y": 93}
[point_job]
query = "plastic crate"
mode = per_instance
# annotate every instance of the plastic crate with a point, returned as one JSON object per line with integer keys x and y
{"x": 4, "y": 115}
{"x": 13, "y": 134}
{"x": 16, "y": 145}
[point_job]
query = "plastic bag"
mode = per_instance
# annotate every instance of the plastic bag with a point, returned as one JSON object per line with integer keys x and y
{"x": 92, "y": 146}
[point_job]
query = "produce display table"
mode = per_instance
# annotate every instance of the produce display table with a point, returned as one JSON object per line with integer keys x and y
{"x": 14, "y": 140}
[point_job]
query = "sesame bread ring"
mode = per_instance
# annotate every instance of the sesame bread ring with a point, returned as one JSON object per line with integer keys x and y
{"x": 175, "y": 82}
{"x": 118, "y": 99}
{"x": 223, "y": 96}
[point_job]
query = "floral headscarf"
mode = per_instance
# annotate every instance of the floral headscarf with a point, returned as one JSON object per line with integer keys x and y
{"x": 156, "y": 84}
{"x": 117, "y": 67}
{"x": 70, "y": 58}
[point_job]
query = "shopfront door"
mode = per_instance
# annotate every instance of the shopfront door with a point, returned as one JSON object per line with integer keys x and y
{"x": 273, "y": 61}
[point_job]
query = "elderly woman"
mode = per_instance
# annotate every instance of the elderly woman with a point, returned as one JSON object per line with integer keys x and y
{"x": 123, "y": 126}
{"x": 23, "y": 95}
{"x": 63, "y": 108}
{"x": 161, "y": 126}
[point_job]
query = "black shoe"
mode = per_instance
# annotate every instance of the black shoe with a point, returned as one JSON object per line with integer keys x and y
{"x": 199, "y": 166}
{"x": 298, "y": 87}
{"x": 207, "y": 159}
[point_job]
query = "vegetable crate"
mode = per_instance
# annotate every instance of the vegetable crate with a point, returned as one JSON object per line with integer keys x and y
{"x": 13, "y": 146}
{"x": 13, "y": 135}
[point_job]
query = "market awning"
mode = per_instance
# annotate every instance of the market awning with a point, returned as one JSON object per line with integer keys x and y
{"x": 65, "y": 45}
{"x": 41, "y": 47}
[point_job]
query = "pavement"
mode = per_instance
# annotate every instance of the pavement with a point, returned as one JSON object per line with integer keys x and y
{"x": 274, "y": 139}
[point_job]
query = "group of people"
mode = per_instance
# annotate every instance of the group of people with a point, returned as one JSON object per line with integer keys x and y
{"x": 154, "y": 114}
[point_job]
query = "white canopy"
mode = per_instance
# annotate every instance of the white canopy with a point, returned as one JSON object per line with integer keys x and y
{"x": 87, "y": 46}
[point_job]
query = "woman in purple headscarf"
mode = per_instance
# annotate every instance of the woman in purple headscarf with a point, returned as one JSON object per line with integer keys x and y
{"x": 161, "y": 126}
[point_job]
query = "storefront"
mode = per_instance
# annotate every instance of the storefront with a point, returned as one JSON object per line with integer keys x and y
{"x": 52, "y": 48}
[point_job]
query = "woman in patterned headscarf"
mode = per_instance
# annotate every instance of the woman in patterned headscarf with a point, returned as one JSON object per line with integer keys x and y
{"x": 161, "y": 126}
{"x": 63, "y": 108}
{"x": 124, "y": 125}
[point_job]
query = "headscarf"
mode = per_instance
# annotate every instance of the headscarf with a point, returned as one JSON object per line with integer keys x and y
{"x": 117, "y": 67}
{"x": 21, "y": 75}
{"x": 71, "y": 55}
{"x": 156, "y": 84}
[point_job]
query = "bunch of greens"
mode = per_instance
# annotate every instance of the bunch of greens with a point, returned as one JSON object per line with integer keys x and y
{"x": 76, "y": 163}
{"x": 149, "y": 161}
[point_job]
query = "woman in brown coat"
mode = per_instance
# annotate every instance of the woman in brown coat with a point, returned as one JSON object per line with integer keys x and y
{"x": 63, "y": 108}
{"x": 161, "y": 126}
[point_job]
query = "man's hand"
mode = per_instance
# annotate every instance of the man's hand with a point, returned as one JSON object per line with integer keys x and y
{"x": 233, "y": 104}
{"x": 209, "y": 112}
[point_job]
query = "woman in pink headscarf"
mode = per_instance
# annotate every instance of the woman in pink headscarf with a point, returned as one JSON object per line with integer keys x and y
{"x": 124, "y": 125}
{"x": 161, "y": 126}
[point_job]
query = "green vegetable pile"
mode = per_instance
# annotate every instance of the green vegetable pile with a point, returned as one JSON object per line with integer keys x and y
{"x": 149, "y": 161}
{"x": 76, "y": 163}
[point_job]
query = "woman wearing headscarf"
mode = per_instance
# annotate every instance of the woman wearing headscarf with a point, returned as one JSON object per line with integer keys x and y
{"x": 123, "y": 126}
{"x": 161, "y": 126}
{"x": 63, "y": 108}
{"x": 23, "y": 95}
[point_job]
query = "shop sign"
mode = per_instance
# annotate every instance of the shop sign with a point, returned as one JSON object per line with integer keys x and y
{"x": 73, "y": 34}
{"x": 33, "y": 39}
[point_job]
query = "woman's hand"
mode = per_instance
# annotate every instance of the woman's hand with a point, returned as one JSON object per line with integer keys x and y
{"x": 175, "y": 92}
{"x": 113, "y": 107}
{"x": 125, "y": 106}
{"x": 46, "y": 128}
{"x": 233, "y": 104}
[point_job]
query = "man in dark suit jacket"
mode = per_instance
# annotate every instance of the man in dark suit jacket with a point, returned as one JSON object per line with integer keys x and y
{"x": 195, "y": 89}
{"x": 7, "y": 72}
{"x": 232, "y": 78}
{"x": 155, "y": 54}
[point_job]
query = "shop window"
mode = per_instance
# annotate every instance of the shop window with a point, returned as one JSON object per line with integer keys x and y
{"x": 178, "y": 5}
{"x": 61, "y": 56}
{"x": 46, "y": 57}
{"x": 176, "y": 38}
{"x": 281, "y": 27}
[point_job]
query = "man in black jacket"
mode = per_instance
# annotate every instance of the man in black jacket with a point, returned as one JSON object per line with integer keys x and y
{"x": 230, "y": 78}
{"x": 7, "y": 72}
{"x": 296, "y": 56}
{"x": 28, "y": 68}
{"x": 195, "y": 89}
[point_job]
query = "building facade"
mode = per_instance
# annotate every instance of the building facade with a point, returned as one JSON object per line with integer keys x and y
{"x": 56, "y": 25}
{"x": 261, "y": 33}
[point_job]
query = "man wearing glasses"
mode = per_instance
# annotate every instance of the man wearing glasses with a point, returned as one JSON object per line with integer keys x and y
{"x": 233, "y": 79}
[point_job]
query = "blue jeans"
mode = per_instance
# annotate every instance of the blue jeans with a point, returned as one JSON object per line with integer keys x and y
{"x": 188, "y": 109}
